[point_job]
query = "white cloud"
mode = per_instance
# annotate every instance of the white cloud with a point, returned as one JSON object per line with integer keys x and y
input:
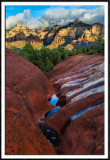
{"x": 60, "y": 16}
{"x": 20, "y": 18}
{"x": 93, "y": 16}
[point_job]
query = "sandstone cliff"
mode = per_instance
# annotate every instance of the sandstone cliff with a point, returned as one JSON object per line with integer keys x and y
{"x": 57, "y": 35}
{"x": 20, "y": 28}
{"x": 21, "y": 36}
{"x": 97, "y": 29}
{"x": 80, "y": 31}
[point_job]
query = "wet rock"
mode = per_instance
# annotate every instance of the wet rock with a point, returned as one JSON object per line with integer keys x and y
{"x": 85, "y": 135}
{"x": 79, "y": 81}
{"x": 62, "y": 101}
{"x": 71, "y": 108}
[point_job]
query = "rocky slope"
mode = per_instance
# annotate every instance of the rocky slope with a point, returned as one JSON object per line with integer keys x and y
{"x": 20, "y": 28}
{"x": 55, "y": 36}
{"x": 21, "y": 36}
{"x": 75, "y": 126}
{"x": 79, "y": 31}
{"x": 79, "y": 82}
{"x": 27, "y": 91}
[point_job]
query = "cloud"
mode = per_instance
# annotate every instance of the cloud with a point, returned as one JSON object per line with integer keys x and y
{"x": 93, "y": 16}
{"x": 60, "y": 16}
{"x": 20, "y": 18}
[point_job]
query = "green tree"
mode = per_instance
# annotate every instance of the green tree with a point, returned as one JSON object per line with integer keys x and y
{"x": 88, "y": 53}
{"x": 99, "y": 38}
{"x": 102, "y": 46}
{"x": 45, "y": 52}
{"x": 91, "y": 47}
{"x": 28, "y": 52}
{"x": 56, "y": 56}
{"x": 72, "y": 52}
{"x": 48, "y": 64}
{"x": 78, "y": 50}
{"x": 84, "y": 50}
{"x": 61, "y": 49}
{"x": 29, "y": 48}
{"x": 40, "y": 65}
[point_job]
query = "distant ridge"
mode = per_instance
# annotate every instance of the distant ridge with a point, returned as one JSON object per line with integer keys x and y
{"x": 57, "y": 35}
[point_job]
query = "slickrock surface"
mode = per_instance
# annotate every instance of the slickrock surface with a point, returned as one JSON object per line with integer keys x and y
{"x": 79, "y": 82}
{"x": 27, "y": 91}
{"x": 85, "y": 135}
{"x": 77, "y": 128}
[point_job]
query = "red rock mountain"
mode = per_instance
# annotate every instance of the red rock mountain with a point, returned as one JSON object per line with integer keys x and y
{"x": 57, "y": 35}
{"x": 21, "y": 36}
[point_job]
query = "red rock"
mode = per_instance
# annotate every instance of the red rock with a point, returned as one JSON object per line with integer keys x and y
{"x": 27, "y": 94}
{"x": 72, "y": 64}
{"x": 85, "y": 135}
{"x": 26, "y": 102}
{"x": 58, "y": 121}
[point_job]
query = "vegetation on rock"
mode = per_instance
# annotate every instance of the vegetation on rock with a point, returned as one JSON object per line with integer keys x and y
{"x": 46, "y": 58}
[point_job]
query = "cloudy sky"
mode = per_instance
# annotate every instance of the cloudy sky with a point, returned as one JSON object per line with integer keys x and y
{"x": 45, "y": 16}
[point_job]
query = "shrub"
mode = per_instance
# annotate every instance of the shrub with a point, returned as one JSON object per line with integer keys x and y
{"x": 14, "y": 49}
{"x": 83, "y": 50}
{"x": 46, "y": 58}
{"x": 28, "y": 52}
{"x": 88, "y": 53}
{"x": 78, "y": 50}
{"x": 48, "y": 65}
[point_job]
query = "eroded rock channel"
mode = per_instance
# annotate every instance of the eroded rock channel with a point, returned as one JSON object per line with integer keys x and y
{"x": 49, "y": 132}
{"x": 79, "y": 82}
{"x": 73, "y": 123}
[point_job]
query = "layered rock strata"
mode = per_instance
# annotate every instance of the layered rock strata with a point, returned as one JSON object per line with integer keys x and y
{"x": 79, "y": 81}
{"x": 57, "y": 35}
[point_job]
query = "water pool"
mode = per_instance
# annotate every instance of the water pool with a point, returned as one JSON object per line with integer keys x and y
{"x": 54, "y": 100}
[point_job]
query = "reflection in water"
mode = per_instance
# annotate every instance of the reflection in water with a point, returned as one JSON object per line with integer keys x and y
{"x": 76, "y": 115}
{"x": 49, "y": 133}
{"x": 53, "y": 111}
{"x": 54, "y": 100}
